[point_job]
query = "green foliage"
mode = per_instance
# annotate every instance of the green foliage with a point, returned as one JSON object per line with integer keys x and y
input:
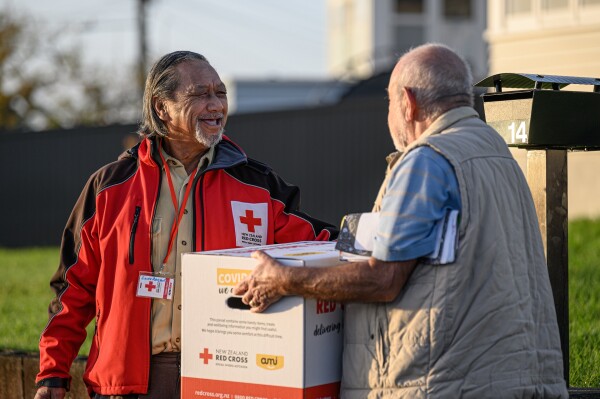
{"x": 24, "y": 297}
{"x": 44, "y": 83}
{"x": 25, "y": 294}
{"x": 584, "y": 303}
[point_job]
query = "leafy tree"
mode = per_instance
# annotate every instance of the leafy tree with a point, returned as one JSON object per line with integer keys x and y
{"x": 44, "y": 84}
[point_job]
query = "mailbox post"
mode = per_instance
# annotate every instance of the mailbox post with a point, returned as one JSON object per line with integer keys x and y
{"x": 548, "y": 123}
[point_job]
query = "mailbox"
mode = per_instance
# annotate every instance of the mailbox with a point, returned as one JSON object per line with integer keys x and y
{"x": 541, "y": 115}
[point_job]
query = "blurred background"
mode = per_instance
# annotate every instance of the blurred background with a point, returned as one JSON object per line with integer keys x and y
{"x": 306, "y": 83}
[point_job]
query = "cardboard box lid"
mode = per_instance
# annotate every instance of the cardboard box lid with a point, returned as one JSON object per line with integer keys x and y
{"x": 303, "y": 250}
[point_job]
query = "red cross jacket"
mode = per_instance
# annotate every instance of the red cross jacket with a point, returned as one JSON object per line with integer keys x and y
{"x": 107, "y": 243}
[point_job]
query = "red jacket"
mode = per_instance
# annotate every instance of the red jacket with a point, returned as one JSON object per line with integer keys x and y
{"x": 107, "y": 243}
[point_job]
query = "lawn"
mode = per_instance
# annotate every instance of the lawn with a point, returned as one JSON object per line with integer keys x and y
{"x": 584, "y": 303}
{"x": 25, "y": 294}
{"x": 24, "y": 297}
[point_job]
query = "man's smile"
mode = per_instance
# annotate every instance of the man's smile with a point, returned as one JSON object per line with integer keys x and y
{"x": 212, "y": 120}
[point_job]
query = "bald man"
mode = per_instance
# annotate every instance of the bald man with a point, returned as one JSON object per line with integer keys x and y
{"x": 481, "y": 326}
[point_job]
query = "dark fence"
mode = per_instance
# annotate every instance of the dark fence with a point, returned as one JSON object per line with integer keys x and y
{"x": 335, "y": 154}
{"x": 42, "y": 174}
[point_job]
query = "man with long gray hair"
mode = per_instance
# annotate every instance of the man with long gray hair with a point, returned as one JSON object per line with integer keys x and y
{"x": 185, "y": 187}
{"x": 481, "y": 325}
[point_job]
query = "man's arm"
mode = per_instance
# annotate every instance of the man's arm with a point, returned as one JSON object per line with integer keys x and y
{"x": 370, "y": 281}
{"x": 73, "y": 307}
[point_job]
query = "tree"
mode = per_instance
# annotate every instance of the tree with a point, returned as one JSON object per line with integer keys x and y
{"x": 44, "y": 84}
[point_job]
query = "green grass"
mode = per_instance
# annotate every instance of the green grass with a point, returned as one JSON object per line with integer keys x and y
{"x": 24, "y": 297}
{"x": 584, "y": 303}
{"x": 25, "y": 294}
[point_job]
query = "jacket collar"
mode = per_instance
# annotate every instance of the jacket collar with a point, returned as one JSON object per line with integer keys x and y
{"x": 442, "y": 123}
{"x": 227, "y": 153}
{"x": 448, "y": 119}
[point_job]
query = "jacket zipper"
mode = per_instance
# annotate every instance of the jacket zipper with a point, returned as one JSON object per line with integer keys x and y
{"x": 96, "y": 330}
{"x": 201, "y": 210}
{"x": 96, "y": 335}
{"x": 136, "y": 218}
{"x": 383, "y": 340}
{"x": 156, "y": 198}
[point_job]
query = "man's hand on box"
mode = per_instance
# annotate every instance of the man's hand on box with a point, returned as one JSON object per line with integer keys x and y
{"x": 50, "y": 393}
{"x": 264, "y": 286}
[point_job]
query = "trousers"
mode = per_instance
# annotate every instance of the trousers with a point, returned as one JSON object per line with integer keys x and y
{"x": 165, "y": 379}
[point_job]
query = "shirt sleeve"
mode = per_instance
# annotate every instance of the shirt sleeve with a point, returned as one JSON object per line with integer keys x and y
{"x": 422, "y": 188}
{"x": 74, "y": 283}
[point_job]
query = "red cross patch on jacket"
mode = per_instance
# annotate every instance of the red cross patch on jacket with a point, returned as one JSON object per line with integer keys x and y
{"x": 251, "y": 223}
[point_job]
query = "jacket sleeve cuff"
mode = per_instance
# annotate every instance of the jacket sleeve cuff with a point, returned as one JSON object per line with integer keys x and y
{"x": 55, "y": 382}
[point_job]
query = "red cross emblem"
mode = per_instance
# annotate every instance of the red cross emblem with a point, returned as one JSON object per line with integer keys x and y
{"x": 150, "y": 286}
{"x": 206, "y": 356}
{"x": 250, "y": 221}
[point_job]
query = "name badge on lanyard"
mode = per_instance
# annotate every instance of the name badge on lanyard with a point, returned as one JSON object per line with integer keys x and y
{"x": 160, "y": 284}
{"x": 155, "y": 285}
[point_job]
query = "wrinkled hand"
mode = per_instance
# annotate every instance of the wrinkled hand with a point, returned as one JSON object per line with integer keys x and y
{"x": 50, "y": 393}
{"x": 262, "y": 287}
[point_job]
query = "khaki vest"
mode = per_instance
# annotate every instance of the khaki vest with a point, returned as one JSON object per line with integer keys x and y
{"x": 482, "y": 327}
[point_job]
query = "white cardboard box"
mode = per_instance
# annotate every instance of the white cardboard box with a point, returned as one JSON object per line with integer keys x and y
{"x": 292, "y": 350}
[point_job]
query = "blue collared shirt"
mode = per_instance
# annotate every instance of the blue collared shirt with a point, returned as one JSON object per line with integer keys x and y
{"x": 421, "y": 190}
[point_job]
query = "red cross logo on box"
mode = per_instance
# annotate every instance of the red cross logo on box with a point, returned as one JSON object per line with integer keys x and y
{"x": 206, "y": 356}
{"x": 250, "y": 221}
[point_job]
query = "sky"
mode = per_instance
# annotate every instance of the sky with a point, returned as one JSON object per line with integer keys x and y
{"x": 241, "y": 38}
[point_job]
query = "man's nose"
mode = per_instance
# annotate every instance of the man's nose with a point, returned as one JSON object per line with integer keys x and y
{"x": 215, "y": 104}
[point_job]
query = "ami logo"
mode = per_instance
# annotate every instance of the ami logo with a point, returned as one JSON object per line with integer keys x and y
{"x": 206, "y": 356}
{"x": 269, "y": 362}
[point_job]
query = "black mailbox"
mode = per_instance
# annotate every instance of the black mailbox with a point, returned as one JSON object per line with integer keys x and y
{"x": 543, "y": 116}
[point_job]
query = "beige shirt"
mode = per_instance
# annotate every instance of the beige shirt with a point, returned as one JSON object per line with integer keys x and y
{"x": 166, "y": 314}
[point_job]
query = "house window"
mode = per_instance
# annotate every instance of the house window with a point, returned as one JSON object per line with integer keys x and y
{"x": 554, "y": 4}
{"x": 410, "y": 6}
{"x": 407, "y": 37}
{"x": 518, "y": 7}
{"x": 457, "y": 8}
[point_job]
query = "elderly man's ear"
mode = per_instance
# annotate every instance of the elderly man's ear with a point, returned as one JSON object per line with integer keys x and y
{"x": 160, "y": 107}
{"x": 409, "y": 104}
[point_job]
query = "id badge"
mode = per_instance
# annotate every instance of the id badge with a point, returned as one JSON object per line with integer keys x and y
{"x": 155, "y": 285}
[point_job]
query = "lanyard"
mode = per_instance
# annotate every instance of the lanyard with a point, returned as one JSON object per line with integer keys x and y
{"x": 178, "y": 210}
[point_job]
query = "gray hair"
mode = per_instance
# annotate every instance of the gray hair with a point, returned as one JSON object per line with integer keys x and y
{"x": 439, "y": 78}
{"x": 162, "y": 81}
